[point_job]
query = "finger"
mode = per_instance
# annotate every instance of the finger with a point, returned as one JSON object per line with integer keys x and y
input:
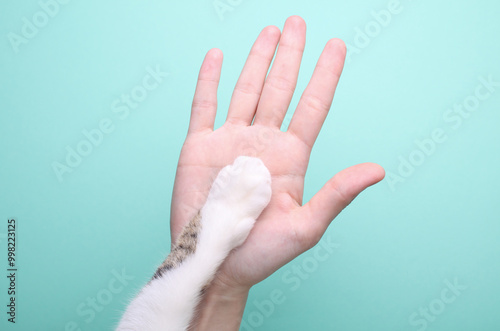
{"x": 317, "y": 98}
{"x": 282, "y": 79}
{"x": 334, "y": 196}
{"x": 247, "y": 92}
{"x": 204, "y": 105}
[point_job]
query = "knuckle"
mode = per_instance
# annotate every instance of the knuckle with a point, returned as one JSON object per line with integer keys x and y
{"x": 281, "y": 83}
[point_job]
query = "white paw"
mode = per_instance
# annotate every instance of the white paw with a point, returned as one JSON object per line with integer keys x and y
{"x": 237, "y": 197}
{"x": 243, "y": 187}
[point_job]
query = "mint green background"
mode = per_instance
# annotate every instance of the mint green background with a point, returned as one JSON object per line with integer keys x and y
{"x": 396, "y": 248}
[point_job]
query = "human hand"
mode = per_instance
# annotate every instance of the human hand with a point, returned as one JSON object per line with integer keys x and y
{"x": 286, "y": 228}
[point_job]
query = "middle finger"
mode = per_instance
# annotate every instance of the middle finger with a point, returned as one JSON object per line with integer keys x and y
{"x": 282, "y": 79}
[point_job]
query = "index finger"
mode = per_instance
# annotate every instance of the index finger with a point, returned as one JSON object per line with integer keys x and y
{"x": 317, "y": 98}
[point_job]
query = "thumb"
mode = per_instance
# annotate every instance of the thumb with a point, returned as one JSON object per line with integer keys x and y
{"x": 336, "y": 194}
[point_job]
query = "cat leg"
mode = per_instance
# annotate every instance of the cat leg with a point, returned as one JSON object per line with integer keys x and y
{"x": 237, "y": 197}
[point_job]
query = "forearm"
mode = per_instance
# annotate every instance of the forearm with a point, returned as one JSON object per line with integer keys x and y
{"x": 221, "y": 309}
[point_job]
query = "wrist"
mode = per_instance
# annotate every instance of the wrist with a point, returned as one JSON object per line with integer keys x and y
{"x": 221, "y": 308}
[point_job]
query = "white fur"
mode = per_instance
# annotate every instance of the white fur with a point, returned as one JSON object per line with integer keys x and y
{"x": 237, "y": 197}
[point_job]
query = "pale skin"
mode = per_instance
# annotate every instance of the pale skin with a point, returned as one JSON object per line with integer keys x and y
{"x": 287, "y": 227}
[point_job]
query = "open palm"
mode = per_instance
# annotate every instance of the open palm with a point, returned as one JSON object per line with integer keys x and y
{"x": 258, "y": 106}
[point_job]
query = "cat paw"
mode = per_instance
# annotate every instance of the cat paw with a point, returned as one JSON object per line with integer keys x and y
{"x": 243, "y": 187}
{"x": 238, "y": 195}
